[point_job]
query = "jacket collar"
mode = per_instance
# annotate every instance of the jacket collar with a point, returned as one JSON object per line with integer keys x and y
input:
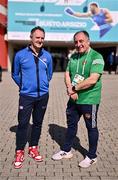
{"x": 40, "y": 52}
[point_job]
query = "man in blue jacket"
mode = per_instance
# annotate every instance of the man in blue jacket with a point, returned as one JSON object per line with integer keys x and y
{"x": 31, "y": 71}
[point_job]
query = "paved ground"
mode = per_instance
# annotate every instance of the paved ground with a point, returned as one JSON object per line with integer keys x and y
{"x": 53, "y": 133}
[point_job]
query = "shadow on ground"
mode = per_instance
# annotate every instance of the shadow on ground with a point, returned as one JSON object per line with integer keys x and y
{"x": 14, "y": 129}
{"x": 58, "y": 134}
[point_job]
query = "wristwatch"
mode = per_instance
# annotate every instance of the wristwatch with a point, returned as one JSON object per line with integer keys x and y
{"x": 73, "y": 88}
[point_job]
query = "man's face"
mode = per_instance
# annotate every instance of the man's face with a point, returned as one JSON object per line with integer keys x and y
{"x": 81, "y": 43}
{"x": 93, "y": 9}
{"x": 37, "y": 39}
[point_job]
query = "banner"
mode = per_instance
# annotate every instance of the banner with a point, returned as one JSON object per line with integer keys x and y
{"x": 62, "y": 18}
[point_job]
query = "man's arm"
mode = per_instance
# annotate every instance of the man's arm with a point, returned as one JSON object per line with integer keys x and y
{"x": 108, "y": 16}
{"x": 90, "y": 81}
{"x": 68, "y": 84}
{"x": 50, "y": 68}
{"x": 67, "y": 79}
{"x": 70, "y": 11}
{"x": 78, "y": 14}
{"x": 16, "y": 70}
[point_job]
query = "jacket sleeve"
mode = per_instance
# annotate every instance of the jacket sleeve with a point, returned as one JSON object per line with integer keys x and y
{"x": 50, "y": 68}
{"x": 16, "y": 70}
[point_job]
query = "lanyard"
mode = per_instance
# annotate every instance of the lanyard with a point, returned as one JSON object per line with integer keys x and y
{"x": 83, "y": 67}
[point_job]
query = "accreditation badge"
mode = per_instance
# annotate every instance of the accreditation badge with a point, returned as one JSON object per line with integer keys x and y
{"x": 77, "y": 79}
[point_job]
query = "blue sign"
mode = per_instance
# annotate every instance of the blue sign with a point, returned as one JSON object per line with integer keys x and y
{"x": 62, "y": 18}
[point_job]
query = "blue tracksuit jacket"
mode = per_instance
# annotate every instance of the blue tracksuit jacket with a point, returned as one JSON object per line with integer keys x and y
{"x": 31, "y": 73}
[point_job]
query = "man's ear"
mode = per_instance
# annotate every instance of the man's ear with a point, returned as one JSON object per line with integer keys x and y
{"x": 88, "y": 42}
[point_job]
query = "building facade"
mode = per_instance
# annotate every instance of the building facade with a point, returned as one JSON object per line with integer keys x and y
{"x": 3, "y": 30}
{"x": 56, "y": 17}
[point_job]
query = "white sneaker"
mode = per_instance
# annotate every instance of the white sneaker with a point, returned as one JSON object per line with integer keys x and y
{"x": 62, "y": 154}
{"x": 87, "y": 162}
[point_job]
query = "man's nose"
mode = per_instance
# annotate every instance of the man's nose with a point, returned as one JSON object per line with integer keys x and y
{"x": 78, "y": 44}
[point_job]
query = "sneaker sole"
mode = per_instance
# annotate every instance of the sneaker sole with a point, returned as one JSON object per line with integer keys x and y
{"x": 69, "y": 157}
{"x": 63, "y": 157}
{"x": 18, "y": 167}
{"x": 89, "y": 165}
{"x": 40, "y": 160}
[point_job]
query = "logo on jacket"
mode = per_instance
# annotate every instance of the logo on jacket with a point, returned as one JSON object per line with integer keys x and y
{"x": 44, "y": 59}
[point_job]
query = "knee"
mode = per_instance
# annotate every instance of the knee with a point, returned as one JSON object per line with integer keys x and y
{"x": 23, "y": 124}
{"x": 72, "y": 123}
{"x": 91, "y": 123}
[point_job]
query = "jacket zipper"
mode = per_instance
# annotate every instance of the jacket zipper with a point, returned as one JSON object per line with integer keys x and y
{"x": 37, "y": 74}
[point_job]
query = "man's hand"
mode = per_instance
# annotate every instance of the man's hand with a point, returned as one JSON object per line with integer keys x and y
{"x": 69, "y": 86}
{"x": 69, "y": 90}
{"x": 74, "y": 96}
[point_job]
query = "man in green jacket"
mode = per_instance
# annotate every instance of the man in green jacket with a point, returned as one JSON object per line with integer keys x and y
{"x": 83, "y": 83}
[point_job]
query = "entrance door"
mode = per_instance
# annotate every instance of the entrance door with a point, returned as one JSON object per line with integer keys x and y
{"x": 59, "y": 58}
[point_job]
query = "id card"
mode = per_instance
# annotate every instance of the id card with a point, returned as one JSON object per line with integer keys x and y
{"x": 77, "y": 79}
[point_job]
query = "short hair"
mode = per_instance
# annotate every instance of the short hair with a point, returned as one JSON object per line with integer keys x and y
{"x": 84, "y": 32}
{"x": 94, "y": 4}
{"x": 37, "y": 28}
